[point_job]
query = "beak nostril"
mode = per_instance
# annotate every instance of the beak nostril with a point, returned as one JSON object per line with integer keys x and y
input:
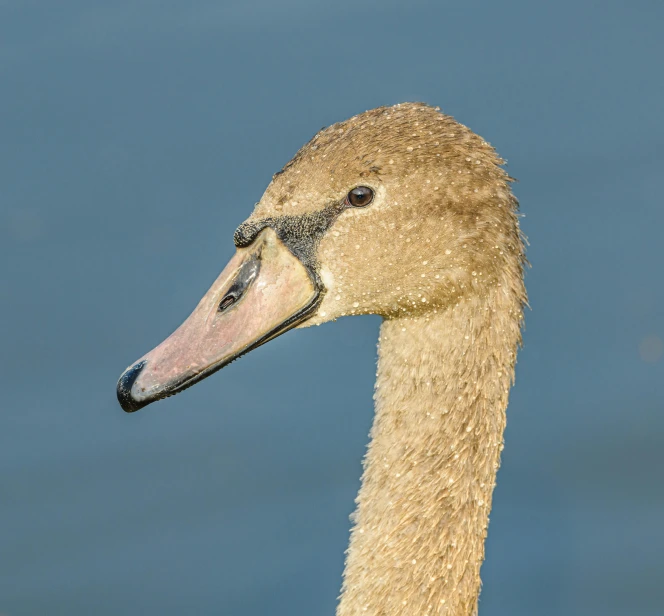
{"x": 227, "y": 302}
{"x": 245, "y": 276}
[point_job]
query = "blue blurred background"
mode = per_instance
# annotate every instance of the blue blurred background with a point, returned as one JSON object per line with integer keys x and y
{"x": 135, "y": 135}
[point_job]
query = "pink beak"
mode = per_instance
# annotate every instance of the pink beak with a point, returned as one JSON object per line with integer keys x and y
{"x": 263, "y": 291}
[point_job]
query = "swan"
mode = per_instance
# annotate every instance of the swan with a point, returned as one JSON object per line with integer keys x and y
{"x": 402, "y": 212}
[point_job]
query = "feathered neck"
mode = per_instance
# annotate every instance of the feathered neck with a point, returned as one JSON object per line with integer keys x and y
{"x": 429, "y": 473}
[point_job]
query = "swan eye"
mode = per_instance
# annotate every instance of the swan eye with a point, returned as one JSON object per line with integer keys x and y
{"x": 360, "y": 196}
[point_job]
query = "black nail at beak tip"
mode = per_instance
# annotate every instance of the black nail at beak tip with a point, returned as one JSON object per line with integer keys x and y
{"x": 128, "y": 403}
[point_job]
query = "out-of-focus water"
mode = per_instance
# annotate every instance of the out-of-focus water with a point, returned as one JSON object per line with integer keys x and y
{"x": 136, "y": 135}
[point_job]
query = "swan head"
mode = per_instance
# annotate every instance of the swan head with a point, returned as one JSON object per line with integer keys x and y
{"x": 398, "y": 211}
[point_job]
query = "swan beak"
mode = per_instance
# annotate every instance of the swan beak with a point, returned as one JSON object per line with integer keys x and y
{"x": 263, "y": 291}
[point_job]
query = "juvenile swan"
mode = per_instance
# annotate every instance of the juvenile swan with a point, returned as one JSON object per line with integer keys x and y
{"x": 405, "y": 213}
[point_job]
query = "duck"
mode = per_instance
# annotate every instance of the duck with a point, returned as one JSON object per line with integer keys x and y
{"x": 405, "y": 213}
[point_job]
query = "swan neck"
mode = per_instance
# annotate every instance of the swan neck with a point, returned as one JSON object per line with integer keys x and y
{"x": 421, "y": 521}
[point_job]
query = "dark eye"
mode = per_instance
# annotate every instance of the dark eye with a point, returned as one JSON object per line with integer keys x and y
{"x": 360, "y": 196}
